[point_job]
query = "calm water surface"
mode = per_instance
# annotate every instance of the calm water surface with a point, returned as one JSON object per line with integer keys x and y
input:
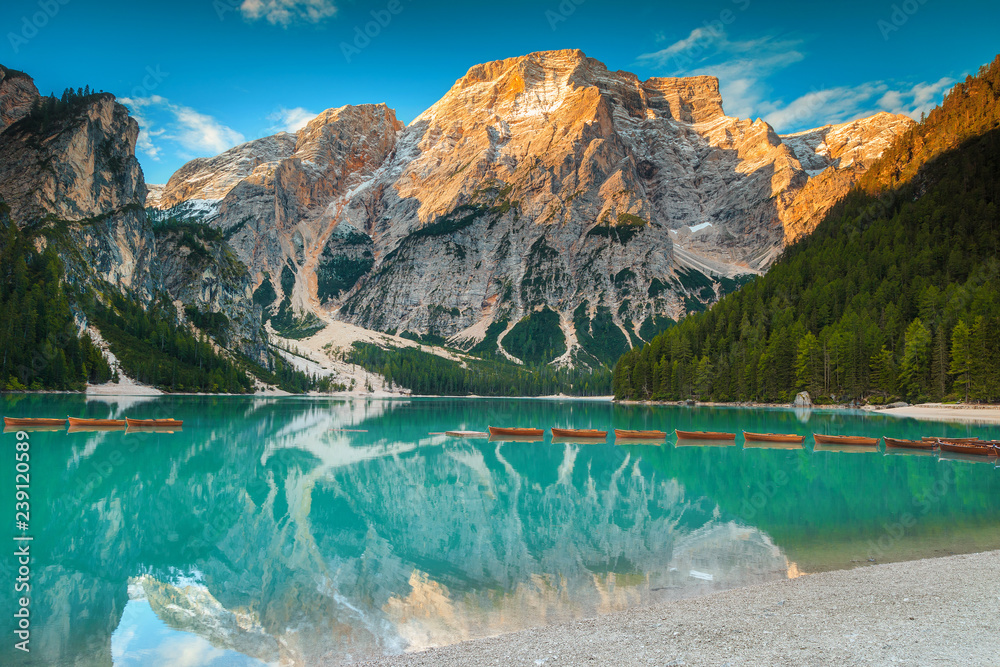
{"x": 268, "y": 532}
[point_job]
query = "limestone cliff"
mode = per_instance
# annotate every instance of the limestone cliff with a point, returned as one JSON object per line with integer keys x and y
{"x": 71, "y": 173}
{"x": 539, "y": 182}
{"x": 17, "y": 94}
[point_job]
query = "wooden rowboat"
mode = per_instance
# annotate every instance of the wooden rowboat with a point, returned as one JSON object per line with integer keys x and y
{"x": 32, "y": 421}
{"x": 640, "y": 435}
{"x": 588, "y": 433}
{"x": 522, "y": 432}
{"x": 855, "y": 440}
{"x": 704, "y": 435}
{"x": 970, "y": 448}
{"x": 96, "y": 423}
{"x": 774, "y": 437}
{"x": 909, "y": 444}
{"x": 934, "y": 438}
{"x": 154, "y": 423}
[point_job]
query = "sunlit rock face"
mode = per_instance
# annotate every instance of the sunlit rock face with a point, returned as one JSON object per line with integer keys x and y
{"x": 544, "y": 180}
{"x": 79, "y": 172}
{"x": 17, "y": 94}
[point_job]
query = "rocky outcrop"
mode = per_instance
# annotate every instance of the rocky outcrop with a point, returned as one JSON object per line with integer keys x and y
{"x": 210, "y": 179}
{"x": 17, "y": 94}
{"x": 835, "y": 156}
{"x": 544, "y": 181}
{"x": 72, "y": 173}
{"x": 201, "y": 273}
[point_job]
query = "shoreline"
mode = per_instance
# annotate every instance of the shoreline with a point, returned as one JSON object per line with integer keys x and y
{"x": 954, "y": 412}
{"x": 930, "y": 611}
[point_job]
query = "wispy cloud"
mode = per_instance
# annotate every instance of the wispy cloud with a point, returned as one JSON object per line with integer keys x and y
{"x": 286, "y": 12}
{"x": 744, "y": 68}
{"x": 195, "y": 132}
{"x": 290, "y": 120}
{"x": 741, "y": 66}
{"x": 846, "y": 103}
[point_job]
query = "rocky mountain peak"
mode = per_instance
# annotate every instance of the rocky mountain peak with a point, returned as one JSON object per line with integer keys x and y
{"x": 17, "y": 94}
{"x": 536, "y": 184}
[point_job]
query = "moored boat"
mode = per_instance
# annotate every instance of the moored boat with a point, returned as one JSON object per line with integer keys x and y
{"x": 982, "y": 448}
{"x": 588, "y": 433}
{"x": 154, "y": 423}
{"x": 521, "y": 432}
{"x": 32, "y": 421}
{"x": 909, "y": 444}
{"x": 704, "y": 435}
{"x": 935, "y": 438}
{"x": 853, "y": 440}
{"x": 640, "y": 435}
{"x": 774, "y": 437}
{"x": 96, "y": 423}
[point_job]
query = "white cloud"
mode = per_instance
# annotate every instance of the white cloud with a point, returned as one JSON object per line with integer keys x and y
{"x": 290, "y": 120}
{"x": 846, "y": 103}
{"x": 743, "y": 68}
{"x": 285, "y": 12}
{"x": 194, "y": 131}
{"x": 918, "y": 99}
{"x": 740, "y": 65}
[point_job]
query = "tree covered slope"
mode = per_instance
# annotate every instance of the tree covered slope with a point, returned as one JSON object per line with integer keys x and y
{"x": 896, "y": 293}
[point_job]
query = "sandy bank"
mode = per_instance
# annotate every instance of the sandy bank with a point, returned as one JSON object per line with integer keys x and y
{"x": 986, "y": 414}
{"x": 935, "y": 611}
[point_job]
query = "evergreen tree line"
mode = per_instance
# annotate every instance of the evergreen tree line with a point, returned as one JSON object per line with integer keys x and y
{"x": 47, "y": 111}
{"x": 896, "y": 293}
{"x": 429, "y": 374}
{"x": 40, "y": 345}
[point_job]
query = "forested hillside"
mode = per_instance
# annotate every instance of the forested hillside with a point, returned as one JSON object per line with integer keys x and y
{"x": 896, "y": 293}
{"x": 40, "y": 343}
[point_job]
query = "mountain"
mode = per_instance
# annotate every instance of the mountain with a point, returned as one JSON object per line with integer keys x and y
{"x": 170, "y": 306}
{"x": 895, "y": 294}
{"x": 545, "y": 208}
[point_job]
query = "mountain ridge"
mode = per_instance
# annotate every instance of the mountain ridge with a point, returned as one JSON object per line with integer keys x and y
{"x": 523, "y": 189}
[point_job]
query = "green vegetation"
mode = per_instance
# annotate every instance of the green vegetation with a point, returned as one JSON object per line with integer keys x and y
{"x": 487, "y": 347}
{"x": 153, "y": 349}
{"x": 265, "y": 295}
{"x": 215, "y": 325}
{"x": 337, "y": 274}
{"x": 623, "y": 231}
{"x": 537, "y": 338}
{"x": 896, "y": 293}
{"x": 40, "y": 343}
{"x": 429, "y": 374}
{"x": 599, "y": 337}
{"x": 46, "y": 112}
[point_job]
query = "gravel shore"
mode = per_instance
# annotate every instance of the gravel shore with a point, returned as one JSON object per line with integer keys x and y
{"x": 941, "y": 611}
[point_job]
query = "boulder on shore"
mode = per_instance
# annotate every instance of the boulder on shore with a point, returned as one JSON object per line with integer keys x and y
{"x": 802, "y": 400}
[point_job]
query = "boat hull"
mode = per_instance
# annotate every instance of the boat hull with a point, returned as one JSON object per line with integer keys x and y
{"x": 896, "y": 443}
{"x": 518, "y": 432}
{"x": 30, "y": 421}
{"x": 96, "y": 423}
{"x": 968, "y": 449}
{"x": 934, "y": 439}
{"x": 640, "y": 435}
{"x": 590, "y": 434}
{"x": 154, "y": 423}
{"x": 704, "y": 435}
{"x": 774, "y": 437}
{"x": 852, "y": 440}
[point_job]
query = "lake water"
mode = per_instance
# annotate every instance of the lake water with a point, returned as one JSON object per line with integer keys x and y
{"x": 267, "y": 531}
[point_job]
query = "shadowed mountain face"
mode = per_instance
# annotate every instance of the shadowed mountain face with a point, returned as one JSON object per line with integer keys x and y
{"x": 538, "y": 181}
{"x": 265, "y": 529}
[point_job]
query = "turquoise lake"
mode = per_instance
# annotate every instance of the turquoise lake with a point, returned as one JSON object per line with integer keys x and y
{"x": 295, "y": 531}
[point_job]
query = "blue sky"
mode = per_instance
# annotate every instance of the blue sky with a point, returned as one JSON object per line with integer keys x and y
{"x": 204, "y": 75}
